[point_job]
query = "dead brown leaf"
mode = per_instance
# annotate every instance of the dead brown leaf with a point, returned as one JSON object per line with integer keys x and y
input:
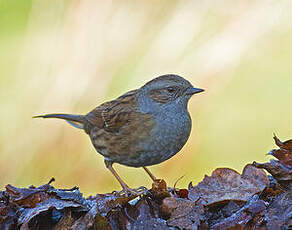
{"x": 91, "y": 220}
{"x": 65, "y": 222}
{"x": 279, "y": 215}
{"x": 284, "y": 145}
{"x": 245, "y": 218}
{"x": 159, "y": 189}
{"x": 182, "y": 213}
{"x": 280, "y": 172}
{"x": 226, "y": 184}
{"x": 8, "y": 217}
{"x": 284, "y": 154}
{"x": 26, "y": 197}
{"x": 32, "y": 205}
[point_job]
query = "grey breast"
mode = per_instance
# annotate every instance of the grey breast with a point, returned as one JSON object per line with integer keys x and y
{"x": 173, "y": 127}
{"x": 171, "y": 135}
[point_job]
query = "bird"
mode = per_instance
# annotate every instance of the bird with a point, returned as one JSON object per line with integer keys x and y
{"x": 143, "y": 127}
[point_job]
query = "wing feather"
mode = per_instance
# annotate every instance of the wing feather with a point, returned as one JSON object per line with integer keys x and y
{"x": 113, "y": 115}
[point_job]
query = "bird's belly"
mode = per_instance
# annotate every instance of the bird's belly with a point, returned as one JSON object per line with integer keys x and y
{"x": 161, "y": 144}
{"x": 167, "y": 140}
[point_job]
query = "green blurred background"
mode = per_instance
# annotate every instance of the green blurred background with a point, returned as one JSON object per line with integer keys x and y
{"x": 70, "y": 56}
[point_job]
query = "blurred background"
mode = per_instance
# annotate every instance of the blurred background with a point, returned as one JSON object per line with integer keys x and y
{"x": 70, "y": 56}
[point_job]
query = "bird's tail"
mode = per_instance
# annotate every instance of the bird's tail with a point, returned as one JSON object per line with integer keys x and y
{"x": 76, "y": 121}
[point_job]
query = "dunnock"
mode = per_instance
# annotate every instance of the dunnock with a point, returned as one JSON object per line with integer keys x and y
{"x": 143, "y": 127}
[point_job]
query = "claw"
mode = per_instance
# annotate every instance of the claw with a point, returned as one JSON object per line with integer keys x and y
{"x": 128, "y": 192}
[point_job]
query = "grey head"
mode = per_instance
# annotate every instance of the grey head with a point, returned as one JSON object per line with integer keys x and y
{"x": 167, "y": 91}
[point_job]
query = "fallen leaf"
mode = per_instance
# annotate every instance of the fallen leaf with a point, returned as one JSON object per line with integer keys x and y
{"x": 159, "y": 190}
{"x": 226, "y": 184}
{"x": 280, "y": 172}
{"x": 65, "y": 222}
{"x": 108, "y": 202}
{"x": 28, "y": 214}
{"x": 26, "y": 197}
{"x": 284, "y": 145}
{"x": 44, "y": 202}
{"x": 279, "y": 215}
{"x": 182, "y": 213}
{"x": 284, "y": 154}
{"x": 8, "y": 217}
{"x": 91, "y": 220}
{"x": 243, "y": 218}
{"x": 144, "y": 215}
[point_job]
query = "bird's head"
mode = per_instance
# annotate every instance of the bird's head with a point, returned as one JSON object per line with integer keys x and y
{"x": 170, "y": 88}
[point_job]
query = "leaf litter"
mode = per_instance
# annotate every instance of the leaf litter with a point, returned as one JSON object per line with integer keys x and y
{"x": 224, "y": 200}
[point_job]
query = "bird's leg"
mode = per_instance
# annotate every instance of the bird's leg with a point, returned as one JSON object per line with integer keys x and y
{"x": 109, "y": 165}
{"x": 150, "y": 174}
{"x": 126, "y": 189}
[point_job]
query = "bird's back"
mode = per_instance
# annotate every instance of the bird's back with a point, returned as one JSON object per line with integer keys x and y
{"x": 117, "y": 128}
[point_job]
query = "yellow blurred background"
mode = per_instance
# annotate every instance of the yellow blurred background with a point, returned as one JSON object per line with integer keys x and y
{"x": 70, "y": 56}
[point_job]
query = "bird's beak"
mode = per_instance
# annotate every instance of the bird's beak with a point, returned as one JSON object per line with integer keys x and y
{"x": 193, "y": 90}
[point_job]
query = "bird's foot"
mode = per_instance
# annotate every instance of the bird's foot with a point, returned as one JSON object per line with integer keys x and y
{"x": 129, "y": 192}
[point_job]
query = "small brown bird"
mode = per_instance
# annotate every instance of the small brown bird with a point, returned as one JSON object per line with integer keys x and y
{"x": 143, "y": 127}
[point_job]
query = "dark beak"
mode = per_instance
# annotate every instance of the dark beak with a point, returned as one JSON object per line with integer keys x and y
{"x": 192, "y": 90}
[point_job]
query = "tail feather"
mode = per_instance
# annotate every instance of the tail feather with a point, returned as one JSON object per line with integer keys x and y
{"x": 76, "y": 121}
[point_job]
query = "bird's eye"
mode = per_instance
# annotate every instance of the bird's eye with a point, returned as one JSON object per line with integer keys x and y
{"x": 171, "y": 89}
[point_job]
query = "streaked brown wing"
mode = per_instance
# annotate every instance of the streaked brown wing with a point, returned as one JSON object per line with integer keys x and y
{"x": 112, "y": 115}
